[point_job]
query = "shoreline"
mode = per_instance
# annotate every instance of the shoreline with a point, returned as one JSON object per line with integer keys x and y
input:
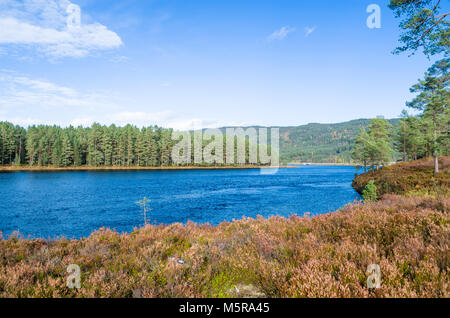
{"x": 131, "y": 168}
{"x": 322, "y": 164}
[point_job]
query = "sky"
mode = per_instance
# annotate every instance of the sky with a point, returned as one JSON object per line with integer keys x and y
{"x": 199, "y": 63}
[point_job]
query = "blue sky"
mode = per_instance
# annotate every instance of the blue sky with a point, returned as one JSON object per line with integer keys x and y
{"x": 197, "y": 63}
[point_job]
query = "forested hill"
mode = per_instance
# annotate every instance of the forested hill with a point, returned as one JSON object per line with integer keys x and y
{"x": 151, "y": 146}
{"x": 321, "y": 143}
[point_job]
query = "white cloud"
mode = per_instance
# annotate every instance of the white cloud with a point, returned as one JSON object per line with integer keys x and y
{"x": 309, "y": 30}
{"x": 24, "y": 122}
{"x": 20, "y": 92}
{"x": 27, "y": 101}
{"x": 83, "y": 121}
{"x": 280, "y": 34}
{"x": 54, "y": 27}
{"x": 167, "y": 119}
{"x": 140, "y": 118}
{"x": 42, "y": 86}
{"x": 189, "y": 124}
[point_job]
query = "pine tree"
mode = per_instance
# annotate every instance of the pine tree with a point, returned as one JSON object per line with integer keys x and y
{"x": 122, "y": 147}
{"x": 372, "y": 147}
{"x": 67, "y": 153}
{"x": 95, "y": 155}
{"x": 131, "y": 145}
{"x": 411, "y": 138}
{"x": 380, "y": 132}
{"x": 107, "y": 146}
{"x": 433, "y": 100}
{"x": 140, "y": 148}
{"x": 165, "y": 146}
{"x": 361, "y": 149}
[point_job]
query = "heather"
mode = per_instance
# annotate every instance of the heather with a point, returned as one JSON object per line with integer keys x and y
{"x": 409, "y": 178}
{"x": 321, "y": 256}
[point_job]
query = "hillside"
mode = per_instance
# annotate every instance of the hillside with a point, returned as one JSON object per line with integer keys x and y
{"x": 320, "y": 143}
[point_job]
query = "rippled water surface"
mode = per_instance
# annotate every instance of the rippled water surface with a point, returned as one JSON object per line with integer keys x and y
{"x": 73, "y": 204}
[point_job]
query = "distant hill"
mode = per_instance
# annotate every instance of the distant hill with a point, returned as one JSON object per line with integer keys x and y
{"x": 320, "y": 143}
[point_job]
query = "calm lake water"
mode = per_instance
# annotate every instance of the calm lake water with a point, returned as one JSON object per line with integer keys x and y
{"x": 74, "y": 204}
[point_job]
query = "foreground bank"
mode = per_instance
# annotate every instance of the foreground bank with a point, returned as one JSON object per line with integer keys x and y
{"x": 409, "y": 178}
{"x": 323, "y": 256}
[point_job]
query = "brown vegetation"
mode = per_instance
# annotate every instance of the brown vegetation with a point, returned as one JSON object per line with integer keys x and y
{"x": 322, "y": 256}
{"x": 409, "y": 178}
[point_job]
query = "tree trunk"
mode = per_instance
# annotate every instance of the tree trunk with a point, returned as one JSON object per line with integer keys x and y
{"x": 436, "y": 163}
{"x": 20, "y": 150}
{"x": 404, "y": 143}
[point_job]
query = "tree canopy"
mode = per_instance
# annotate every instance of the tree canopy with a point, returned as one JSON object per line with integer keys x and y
{"x": 432, "y": 100}
{"x": 373, "y": 146}
{"x": 423, "y": 25}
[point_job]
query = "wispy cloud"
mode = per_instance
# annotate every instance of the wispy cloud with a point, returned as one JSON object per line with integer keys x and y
{"x": 280, "y": 34}
{"x": 54, "y": 27}
{"x": 141, "y": 118}
{"x": 21, "y": 94}
{"x": 309, "y": 30}
{"x": 119, "y": 59}
{"x": 42, "y": 86}
{"x": 27, "y": 101}
{"x": 168, "y": 119}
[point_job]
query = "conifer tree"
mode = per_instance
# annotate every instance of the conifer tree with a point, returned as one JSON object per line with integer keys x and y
{"x": 67, "y": 151}
{"x": 433, "y": 100}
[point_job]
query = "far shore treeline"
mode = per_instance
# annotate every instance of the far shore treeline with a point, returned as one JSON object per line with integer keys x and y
{"x": 129, "y": 145}
{"x": 379, "y": 142}
{"x": 98, "y": 145}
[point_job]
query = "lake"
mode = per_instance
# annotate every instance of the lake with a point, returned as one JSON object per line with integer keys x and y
{"x": 74, "y": 204}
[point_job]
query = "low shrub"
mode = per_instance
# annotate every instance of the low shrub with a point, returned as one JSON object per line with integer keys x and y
{"x": 370, "y": 192}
